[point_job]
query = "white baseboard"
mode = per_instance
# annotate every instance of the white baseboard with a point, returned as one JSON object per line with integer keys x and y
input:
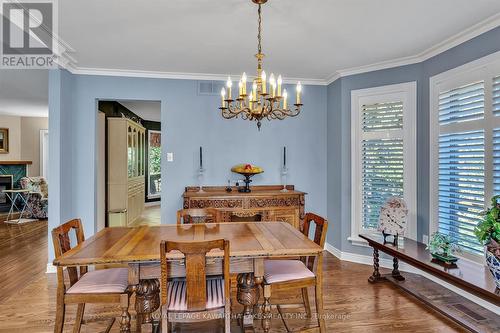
{"x": 152, "y": 203}
{"x": 387, "y": 263}
{"x": 51, "y": 268}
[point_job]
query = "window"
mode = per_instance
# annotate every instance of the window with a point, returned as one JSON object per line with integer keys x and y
{"x": 383, "y": 154}
{"x": 154, "y": 164}
{"x": 465, "y": 149}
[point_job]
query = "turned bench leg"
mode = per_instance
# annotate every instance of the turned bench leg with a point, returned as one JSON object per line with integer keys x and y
{"x": 396, "y": 274}
{"x": 376, "y": 277}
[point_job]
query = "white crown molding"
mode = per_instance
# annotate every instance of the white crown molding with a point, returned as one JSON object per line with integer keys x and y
{"x": 177, "y": 75}
{"x": 492, "y": 22}
{"x": 455, "y": 40}
{"x": 387, "y": 263}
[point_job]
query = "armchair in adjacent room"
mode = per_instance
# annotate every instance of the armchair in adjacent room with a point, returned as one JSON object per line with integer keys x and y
{"x": 38, "y": 202}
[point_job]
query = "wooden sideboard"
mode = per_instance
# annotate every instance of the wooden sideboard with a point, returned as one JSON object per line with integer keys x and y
{"x": 268, "y": 202}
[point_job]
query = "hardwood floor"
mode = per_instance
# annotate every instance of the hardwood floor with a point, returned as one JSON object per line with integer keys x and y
{"x": 23, "y": 255}
{"x": 27, "y": 296}
{"x": 150, "y": 216}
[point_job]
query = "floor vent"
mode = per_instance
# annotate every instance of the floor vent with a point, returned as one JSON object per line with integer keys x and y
{"x": 462, "y": 308}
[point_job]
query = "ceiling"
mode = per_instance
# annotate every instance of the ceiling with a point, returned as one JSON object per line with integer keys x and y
{"x": 302, "y": 39}
{"x": 147, "y": 110}
{"x": 311, "y": 39}
{"x": 24, "y": 92}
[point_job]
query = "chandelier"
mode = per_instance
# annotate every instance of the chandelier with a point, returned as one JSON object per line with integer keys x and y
{"x": 262, "y": 101}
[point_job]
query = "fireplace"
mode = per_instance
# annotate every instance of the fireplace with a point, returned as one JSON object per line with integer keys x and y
{"x": 5, "y": 184}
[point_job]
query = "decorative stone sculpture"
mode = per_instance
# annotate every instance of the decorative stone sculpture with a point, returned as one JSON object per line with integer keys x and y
{"x": 392, "y": 218}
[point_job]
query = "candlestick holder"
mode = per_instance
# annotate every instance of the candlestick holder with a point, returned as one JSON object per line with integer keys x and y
{"x": 201, "y": 172}
{"x": 284, "y": 173}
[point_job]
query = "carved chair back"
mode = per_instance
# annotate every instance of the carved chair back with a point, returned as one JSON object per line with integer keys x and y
{"x": 319, "y": 234}
{"x": 195, "y": 254}
{"x": 198, "y": 215}
{"x": 61, "y": 239}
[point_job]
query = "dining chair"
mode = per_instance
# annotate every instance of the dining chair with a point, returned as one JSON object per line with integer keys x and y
{"x": 198, "y": 215}
{"x": 97, "y": 286}
{"x": 298, "y": 274}
{"x": 197, "y": 297}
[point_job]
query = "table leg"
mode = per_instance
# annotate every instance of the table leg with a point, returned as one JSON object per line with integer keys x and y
{"x": 147, "y": 301}
{"x": 376, "y": 277}
{"x": 396, "y": 274}
{"x": 248, "y": 296}
{"x": 266, "y": 309}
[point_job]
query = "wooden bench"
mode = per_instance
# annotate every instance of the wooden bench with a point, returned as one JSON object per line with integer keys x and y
{"x": 468, "y": 276}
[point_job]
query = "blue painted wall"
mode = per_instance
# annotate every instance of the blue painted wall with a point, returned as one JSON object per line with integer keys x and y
{"x": 318, "y": 140}
{"x": 339, "y": 136}
{"x": 189, "y": 120}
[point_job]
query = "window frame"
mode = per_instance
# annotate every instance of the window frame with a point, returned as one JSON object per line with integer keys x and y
{"x": 406, "y": 93}
{"x": 149, "y": 195}
{"x": 483, "y": 69}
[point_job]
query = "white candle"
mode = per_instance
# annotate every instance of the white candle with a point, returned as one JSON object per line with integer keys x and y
{"x": 272, "y": 83}
{"x": 250, "y": 100}
{"x": 280, "y": 81}
{"x": 223, "y": 96}
{"x": 240, "y": 90}
{"x": 285, "y": 95}
{"x": 244, "y": 83}
{"x": 229, "y": 84}
{"x": 299, "y": 89}
{"x": 263, "y": 78}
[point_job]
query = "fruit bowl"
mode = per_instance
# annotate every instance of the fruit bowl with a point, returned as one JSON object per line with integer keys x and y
{"x": 246, "y": 170}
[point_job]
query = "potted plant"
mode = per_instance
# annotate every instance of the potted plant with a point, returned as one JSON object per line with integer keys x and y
{"x": 487, "y": 232}
{"x": 442, "y": 248}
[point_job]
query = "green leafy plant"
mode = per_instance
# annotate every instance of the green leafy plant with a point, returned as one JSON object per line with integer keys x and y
{"x": 155, "y": 160}
{"x": 487, "y": 231}
{"x": 442, "y": 244}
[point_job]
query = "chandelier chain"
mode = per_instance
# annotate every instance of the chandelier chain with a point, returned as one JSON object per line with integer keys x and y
{"x": 259, "y": 47}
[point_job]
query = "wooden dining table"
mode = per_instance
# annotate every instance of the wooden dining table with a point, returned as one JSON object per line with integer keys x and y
{"x": 139, "y": 248}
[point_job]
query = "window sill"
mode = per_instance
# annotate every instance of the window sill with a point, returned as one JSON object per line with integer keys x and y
{"x": 357, "y": 241}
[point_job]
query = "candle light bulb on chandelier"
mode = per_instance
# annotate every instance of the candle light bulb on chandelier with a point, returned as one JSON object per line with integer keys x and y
{"x": 244, "y": 83}
{"x": 223, "y": 95}
{"x": 299, "y": 90}
{"x": 264, "y": 84}
{"x": 240, "y": 90}
{"x": 229, "y": 84}
{"x": 280, "y": 81}
{"x": 285, "y": 95}
{"x": 272, "y": 84}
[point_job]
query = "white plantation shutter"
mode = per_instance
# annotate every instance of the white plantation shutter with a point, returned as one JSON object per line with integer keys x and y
{"x": 496, "y": 96}
{"x": 496, "y": 161}
{"x": 382, "y": 176}
{"x": 383, "y": 153}
{"x": 381, "y": 158}
{"x": 467, "y": 154}
{"x": 461, "y": 186}
{"x": 382, "y": 116}
{"x": 462, "y": 104}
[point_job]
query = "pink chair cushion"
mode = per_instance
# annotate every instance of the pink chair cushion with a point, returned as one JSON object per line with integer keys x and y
{"x": 112, "y": 280}
{"x": 176, "y": 293}
{"x": 285, "y": 270}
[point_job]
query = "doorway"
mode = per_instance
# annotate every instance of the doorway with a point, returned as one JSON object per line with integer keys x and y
{"x": 128, "y": 163}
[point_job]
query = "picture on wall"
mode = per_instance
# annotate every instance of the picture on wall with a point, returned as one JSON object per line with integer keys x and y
{"x": 4, "y": 140}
